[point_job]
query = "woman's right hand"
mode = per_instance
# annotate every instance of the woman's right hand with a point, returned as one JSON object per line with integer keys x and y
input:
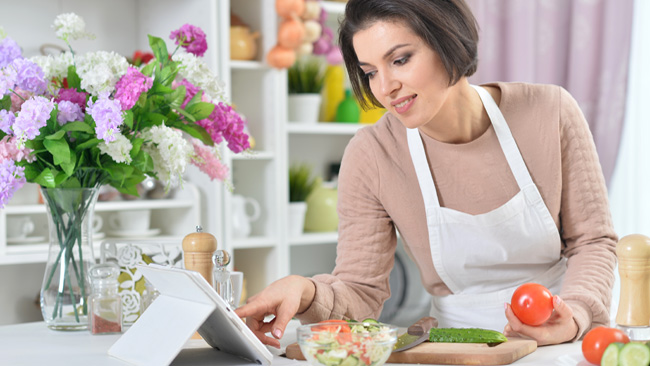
{"x": 283, "y": 298}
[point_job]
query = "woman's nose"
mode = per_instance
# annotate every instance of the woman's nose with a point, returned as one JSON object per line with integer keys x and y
{"x": 389, "y": 84}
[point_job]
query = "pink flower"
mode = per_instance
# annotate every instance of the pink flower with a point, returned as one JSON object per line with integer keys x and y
{"x": 16, "y": 101}
{"x": 130, "y": 86}
{"x": 191, "y": 38}
{"x": 225, "y": 123}
{"x": 74, "y": 96}
{"x": 208, "y": 162}
{"x": 9, "y": 150}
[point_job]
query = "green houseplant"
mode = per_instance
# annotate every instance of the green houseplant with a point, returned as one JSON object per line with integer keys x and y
{"x": 305, "y": 78}
{"x": 301, "y": 184}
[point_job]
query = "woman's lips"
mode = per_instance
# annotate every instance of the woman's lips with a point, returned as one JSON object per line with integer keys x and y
{"x": 403, "y": 105}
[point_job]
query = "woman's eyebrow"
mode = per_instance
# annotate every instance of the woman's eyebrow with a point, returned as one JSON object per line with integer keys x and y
{"x": 388, "y": 53}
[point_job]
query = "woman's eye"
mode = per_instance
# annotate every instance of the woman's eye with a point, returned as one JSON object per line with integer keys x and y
{"x": 402, "y": 60}
{"x": 370, "y": 74}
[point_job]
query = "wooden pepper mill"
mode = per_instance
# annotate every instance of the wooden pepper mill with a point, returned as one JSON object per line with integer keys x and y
{"x": 198, "y": 249}
{"x": 633, "y": 314}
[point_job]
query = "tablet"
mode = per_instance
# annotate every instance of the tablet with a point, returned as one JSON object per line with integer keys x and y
{"x": 186, "y": 303}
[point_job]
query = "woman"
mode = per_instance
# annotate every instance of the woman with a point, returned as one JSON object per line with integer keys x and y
{"x": 490, "y": 187}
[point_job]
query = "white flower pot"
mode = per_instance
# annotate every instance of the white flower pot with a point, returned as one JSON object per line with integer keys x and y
{"x": 304, "y": 108}
{"x": 296, "y": 219}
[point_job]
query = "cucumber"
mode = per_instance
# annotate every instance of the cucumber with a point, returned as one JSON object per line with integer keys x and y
{"x": 634, "y": 354}
{"x": 465, "y": 335}
{"x": 610, "y": 356}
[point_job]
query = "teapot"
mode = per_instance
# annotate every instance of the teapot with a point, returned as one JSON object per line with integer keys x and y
{"x": 241, "y": 219}
{"x": 243, "y": 45}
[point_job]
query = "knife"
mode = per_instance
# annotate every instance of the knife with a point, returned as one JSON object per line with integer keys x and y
{"x": 415, "y": 334}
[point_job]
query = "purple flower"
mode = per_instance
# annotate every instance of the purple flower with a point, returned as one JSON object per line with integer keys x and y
{"x": 9, "y": 51}
{"x": 130, "y": 86}
{"x": 6, "y": 121}
{"x": 29, "y": 77}
{"x": 225, "y": 123}
{"x": 69, "y": 112}
{"x": 12, "y": 178}
{"x": 107, "y": 114}
{"x": 74, "y": 96}
{"x": 191, "y": 38}
{"x": 8, "y": 79}
{"x": 32, "y": 116}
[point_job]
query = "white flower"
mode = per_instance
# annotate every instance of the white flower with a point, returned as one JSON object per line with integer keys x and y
{"x": 70, "y": 26}
{"x": 198, "y": 73}
{"x": 169, "y": 151}
{"x": 119, "y": 149}
{"x": 99, "y": 71}
{"x": 54, "y": 66}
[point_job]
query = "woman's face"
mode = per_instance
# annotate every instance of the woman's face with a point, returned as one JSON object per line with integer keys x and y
{"x": 405, "y": 74}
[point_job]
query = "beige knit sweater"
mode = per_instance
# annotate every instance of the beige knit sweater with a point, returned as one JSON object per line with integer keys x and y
{"x": 378, "y": 192}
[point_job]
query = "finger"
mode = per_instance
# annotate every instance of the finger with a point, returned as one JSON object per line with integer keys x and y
{"x": 282, "y": 318}
{"x": 267, "y": 340}
{"x": 561, "y": 308}
{"x": 516, "y": 326}
{"x": 249, "y": 309}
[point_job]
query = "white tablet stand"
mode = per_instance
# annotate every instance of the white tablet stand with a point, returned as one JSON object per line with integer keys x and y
{"x": 187, "y": 303}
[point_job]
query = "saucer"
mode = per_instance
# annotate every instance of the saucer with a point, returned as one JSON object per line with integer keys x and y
{"x": 98, "y": 236}
{"x": 134, "y": 233}
{"x": 26, "y": 240}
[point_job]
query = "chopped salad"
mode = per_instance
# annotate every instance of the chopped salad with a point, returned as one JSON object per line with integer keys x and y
{"x": 347, "y": 343}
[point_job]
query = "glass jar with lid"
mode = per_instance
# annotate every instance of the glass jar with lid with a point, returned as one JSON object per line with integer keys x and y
{"x": 105, "y": 303}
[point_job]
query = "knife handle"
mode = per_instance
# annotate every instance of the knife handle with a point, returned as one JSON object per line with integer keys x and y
{"x": 423, "y": 325}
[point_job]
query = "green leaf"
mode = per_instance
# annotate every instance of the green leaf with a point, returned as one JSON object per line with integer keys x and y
{"x": 59, "y": 149}
{"x": 57, "y": 135}
{"x": 154, "y": 119}
{"x": 159, "y": 49}
{"x": 200, "y": 110}
{"x": 148, "y": 70}
{"x": 176, "y": 98}
{"x": 143, "y": 161}
{"x": 74, "y": 81}
{"x": 195, "y": 99}
{"x": 52, "y": 124}
{"x": 195, "y": 131}
{"x": 187, "y": 115}
{"x": 72, "y": 182}
{"x": 137, "y": 145}
{"x": 46, "y": 179}
{"x": 128, "y": 118}
{"x": 78, "y": 126}
{"x": 88, "y": 144}
{"x": 159, "y": 88}
{"x": 5, "y": 102}
{"x": 168, "y": 73}
{"x": 68, "y": 167}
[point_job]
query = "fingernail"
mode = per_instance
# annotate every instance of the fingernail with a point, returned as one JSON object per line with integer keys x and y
{"x": 277, "y": 333}
{"x": 557, "y": 299}
{"x": 505, "y": 305}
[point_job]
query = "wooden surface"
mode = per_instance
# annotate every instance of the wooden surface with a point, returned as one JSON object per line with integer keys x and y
{"x": 453, "y": 353}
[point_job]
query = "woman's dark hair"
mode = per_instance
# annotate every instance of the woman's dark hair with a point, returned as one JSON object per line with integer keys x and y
{"x": 447, "y": 26}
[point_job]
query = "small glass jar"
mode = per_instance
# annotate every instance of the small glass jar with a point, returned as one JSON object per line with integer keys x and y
{"x": 105, "y": 303}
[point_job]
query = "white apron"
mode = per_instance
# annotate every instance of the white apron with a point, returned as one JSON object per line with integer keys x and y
{"x": 484, "y": 258}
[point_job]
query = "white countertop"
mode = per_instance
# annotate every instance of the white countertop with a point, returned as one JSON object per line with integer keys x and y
{"x": 35, "y": 344}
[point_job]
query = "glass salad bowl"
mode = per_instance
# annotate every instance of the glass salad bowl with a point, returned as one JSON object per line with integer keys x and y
{"x": 346, "y": 343}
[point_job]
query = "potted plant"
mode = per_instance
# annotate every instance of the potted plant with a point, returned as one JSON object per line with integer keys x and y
{"x": 301, "y": 184}
{"x": 306, "y": 78}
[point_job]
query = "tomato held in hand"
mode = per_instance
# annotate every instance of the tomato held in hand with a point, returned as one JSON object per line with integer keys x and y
{"x": 532, "y": 303}
{"x": 597, "y": 339}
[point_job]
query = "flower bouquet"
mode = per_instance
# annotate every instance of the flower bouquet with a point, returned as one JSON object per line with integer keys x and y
{"x": 74, "y": 122}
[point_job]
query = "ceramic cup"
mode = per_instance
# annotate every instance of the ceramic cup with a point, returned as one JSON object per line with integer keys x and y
{"x": 19, "y": 227}
{"x": 129, "y": 221}
{"x": 237, "y": 279}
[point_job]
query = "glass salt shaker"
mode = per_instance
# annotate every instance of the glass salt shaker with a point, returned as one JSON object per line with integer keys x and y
{"x": 105, "y": 303}
{"x": 222, "y": 281}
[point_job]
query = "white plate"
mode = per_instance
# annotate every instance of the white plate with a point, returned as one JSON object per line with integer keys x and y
{"x": 134, "y": 234}
{"x": 26, "y": 240}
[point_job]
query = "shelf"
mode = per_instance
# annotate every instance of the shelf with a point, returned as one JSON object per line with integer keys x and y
{"x": 324, "y": 128}
{"x": 248, "y": 65}
{"x": 254, "y": 242}
{"x": 254, "y": 155}
{"x": 315, "y": 238}
{"x": 108, "y": 206}
{"x": 333, "y": 7}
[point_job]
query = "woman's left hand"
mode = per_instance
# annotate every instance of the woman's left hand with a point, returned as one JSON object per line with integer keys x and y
{"x": 559, "y": 328}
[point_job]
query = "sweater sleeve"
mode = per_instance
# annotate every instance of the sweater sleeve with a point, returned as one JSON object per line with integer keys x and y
{"x": 586, "y": 224}
{"x": 359, "y": 284}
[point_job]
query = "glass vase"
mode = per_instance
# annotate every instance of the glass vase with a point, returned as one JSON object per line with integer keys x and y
{"x": 66, "y": 285}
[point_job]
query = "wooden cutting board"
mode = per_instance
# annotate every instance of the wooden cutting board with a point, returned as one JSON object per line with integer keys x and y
{"x": 453, "y": 353}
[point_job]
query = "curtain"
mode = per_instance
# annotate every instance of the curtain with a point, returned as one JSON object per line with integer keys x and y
{"x": 582, "y": 45}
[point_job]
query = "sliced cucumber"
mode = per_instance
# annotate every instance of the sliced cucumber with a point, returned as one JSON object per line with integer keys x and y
{"x": 466, "y": 335}
{"x": 610, "y": 356}
{"x": 634, "y": 354}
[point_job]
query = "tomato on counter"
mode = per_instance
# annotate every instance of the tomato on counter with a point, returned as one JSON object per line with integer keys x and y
{"x": 532, "y": 303}
{"x": 596, "y": 341}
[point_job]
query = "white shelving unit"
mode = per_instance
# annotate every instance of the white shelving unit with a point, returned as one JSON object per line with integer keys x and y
{"x": 258, "y": 91}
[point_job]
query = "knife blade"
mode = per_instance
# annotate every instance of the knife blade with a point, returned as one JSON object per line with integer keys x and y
{"x": 415, "y": 334}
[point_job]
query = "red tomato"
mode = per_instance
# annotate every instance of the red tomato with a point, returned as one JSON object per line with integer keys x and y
{"x": 597, "y": 339}
{"x": 332, "y": 326}
{"x": 532, "y": 303}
